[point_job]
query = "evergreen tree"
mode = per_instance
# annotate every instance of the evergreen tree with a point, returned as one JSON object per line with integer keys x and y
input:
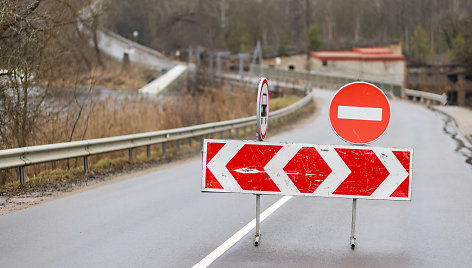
{"x": 419, "y": 50}
{"x": 237, "y": 41}
{"x": 284, "y": 45}
{"x": 314, "y": 40}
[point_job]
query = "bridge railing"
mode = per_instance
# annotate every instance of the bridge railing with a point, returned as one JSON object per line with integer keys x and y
{"x": 325, "y": 80}
{"x": 25, "y": 156}
{"x": 317, "y": 79}
{"x": 425, "y": 97}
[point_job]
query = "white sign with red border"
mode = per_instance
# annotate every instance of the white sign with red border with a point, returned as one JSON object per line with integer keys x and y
{"x": 262, "y": 108}
{"x": 359, "y": 113}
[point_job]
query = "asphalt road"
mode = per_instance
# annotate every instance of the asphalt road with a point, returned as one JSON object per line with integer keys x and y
{"x": 161, "y": 219}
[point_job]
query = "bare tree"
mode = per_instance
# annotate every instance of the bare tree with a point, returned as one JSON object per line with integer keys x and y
{"x": 38, "y": 44}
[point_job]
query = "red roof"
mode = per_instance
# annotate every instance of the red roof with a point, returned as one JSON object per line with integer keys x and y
{"x": 358, "y": 54}
{"x": 372, "y": 50}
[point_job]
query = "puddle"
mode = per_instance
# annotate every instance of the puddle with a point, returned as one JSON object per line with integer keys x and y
{"x": 463, "y": 146}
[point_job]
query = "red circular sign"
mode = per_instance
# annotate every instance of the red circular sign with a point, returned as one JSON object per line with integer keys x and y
{"x": 359, "y": 112}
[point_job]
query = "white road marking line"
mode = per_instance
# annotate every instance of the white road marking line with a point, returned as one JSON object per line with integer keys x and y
{"x": 210, "y": 258}
{"x": 360, "y": 113}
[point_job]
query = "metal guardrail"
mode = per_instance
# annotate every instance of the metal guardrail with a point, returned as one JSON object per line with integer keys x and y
{"x": 25, "y": 156}
{"x": 425, "y": 97}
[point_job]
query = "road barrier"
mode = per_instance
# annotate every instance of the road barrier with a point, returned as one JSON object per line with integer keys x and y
{"x": 231, "y": 166}
{"x": 25, "y": 156}
{"x": 425, "y": 97}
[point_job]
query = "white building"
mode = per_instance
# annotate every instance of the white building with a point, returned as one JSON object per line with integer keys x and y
{"x": 374, "y": 64}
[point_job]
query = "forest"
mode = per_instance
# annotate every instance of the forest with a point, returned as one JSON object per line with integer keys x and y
{"x": 431, "y": 31}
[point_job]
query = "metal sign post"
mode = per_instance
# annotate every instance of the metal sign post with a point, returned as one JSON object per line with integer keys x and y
{"x": 359, "y": 113}
{"x": 262, "y": 112}
{"x": 353, "y": 224}
{"x": 258, "y": 220}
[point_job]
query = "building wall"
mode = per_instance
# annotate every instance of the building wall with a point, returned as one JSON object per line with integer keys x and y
{"x": 383, "y": 71}
{"x": 298, "y": 62}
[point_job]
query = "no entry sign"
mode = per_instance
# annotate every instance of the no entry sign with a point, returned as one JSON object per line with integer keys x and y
{"x": 306, "y": 169}
{"x": 262, "y": 110}
{"x": 359, "y": 112}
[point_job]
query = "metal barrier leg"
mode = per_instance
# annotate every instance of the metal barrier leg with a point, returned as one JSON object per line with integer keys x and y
{"x": 190, "y": 142}
{"x": 257, "y": 236}
{"x": 353, "y": 224}
{"x": 177, "y": 144}
{"x": 21, "y": 175}
{"x": 229, "y": 133}
{"x": 148, "y": 150}
{"x": 163, "y": 148}
{"x": 86, "y": 164}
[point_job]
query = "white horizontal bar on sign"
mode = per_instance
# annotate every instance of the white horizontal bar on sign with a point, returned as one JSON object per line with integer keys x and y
{"x": 360, "y": 113}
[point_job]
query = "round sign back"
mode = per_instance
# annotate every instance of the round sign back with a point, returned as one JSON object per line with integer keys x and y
{"x": 359, "y": 112}
{"x": 262, "y": 108}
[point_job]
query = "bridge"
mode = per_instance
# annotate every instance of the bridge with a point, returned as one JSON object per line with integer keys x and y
{"x": 160, "y": 218}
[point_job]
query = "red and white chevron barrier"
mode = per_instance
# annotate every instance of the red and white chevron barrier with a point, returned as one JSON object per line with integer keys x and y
{"x": 307, "y": 169}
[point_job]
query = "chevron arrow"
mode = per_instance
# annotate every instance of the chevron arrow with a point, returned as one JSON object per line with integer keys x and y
{"x": 306, "y": 169}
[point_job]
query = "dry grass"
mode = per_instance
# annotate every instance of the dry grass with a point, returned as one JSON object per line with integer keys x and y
{"x": 116, "y": 115}
{"x": 114, "y": 76}
{"x": 50, "y": 179}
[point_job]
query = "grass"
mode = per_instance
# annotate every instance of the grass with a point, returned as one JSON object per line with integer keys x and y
{"x": 279, "y": 103}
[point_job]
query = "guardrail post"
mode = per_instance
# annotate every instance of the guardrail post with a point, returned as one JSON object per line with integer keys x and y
{"x": 163, "y": 148}
{"x": 221, "y": 134}
{"x": 201, "y": 140}
{"x": 130, "y": 154}
{"x": 190, "y": 142}
{"x": 177, "y": 144}
{"x": 86, "y": 164}
{"x": 211, "y": 136}
{"x": 237, "y": 132}
{"x": 21, "y": 175}
{"x": 148, "y": 150}
{"x": 229, "y": 133}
